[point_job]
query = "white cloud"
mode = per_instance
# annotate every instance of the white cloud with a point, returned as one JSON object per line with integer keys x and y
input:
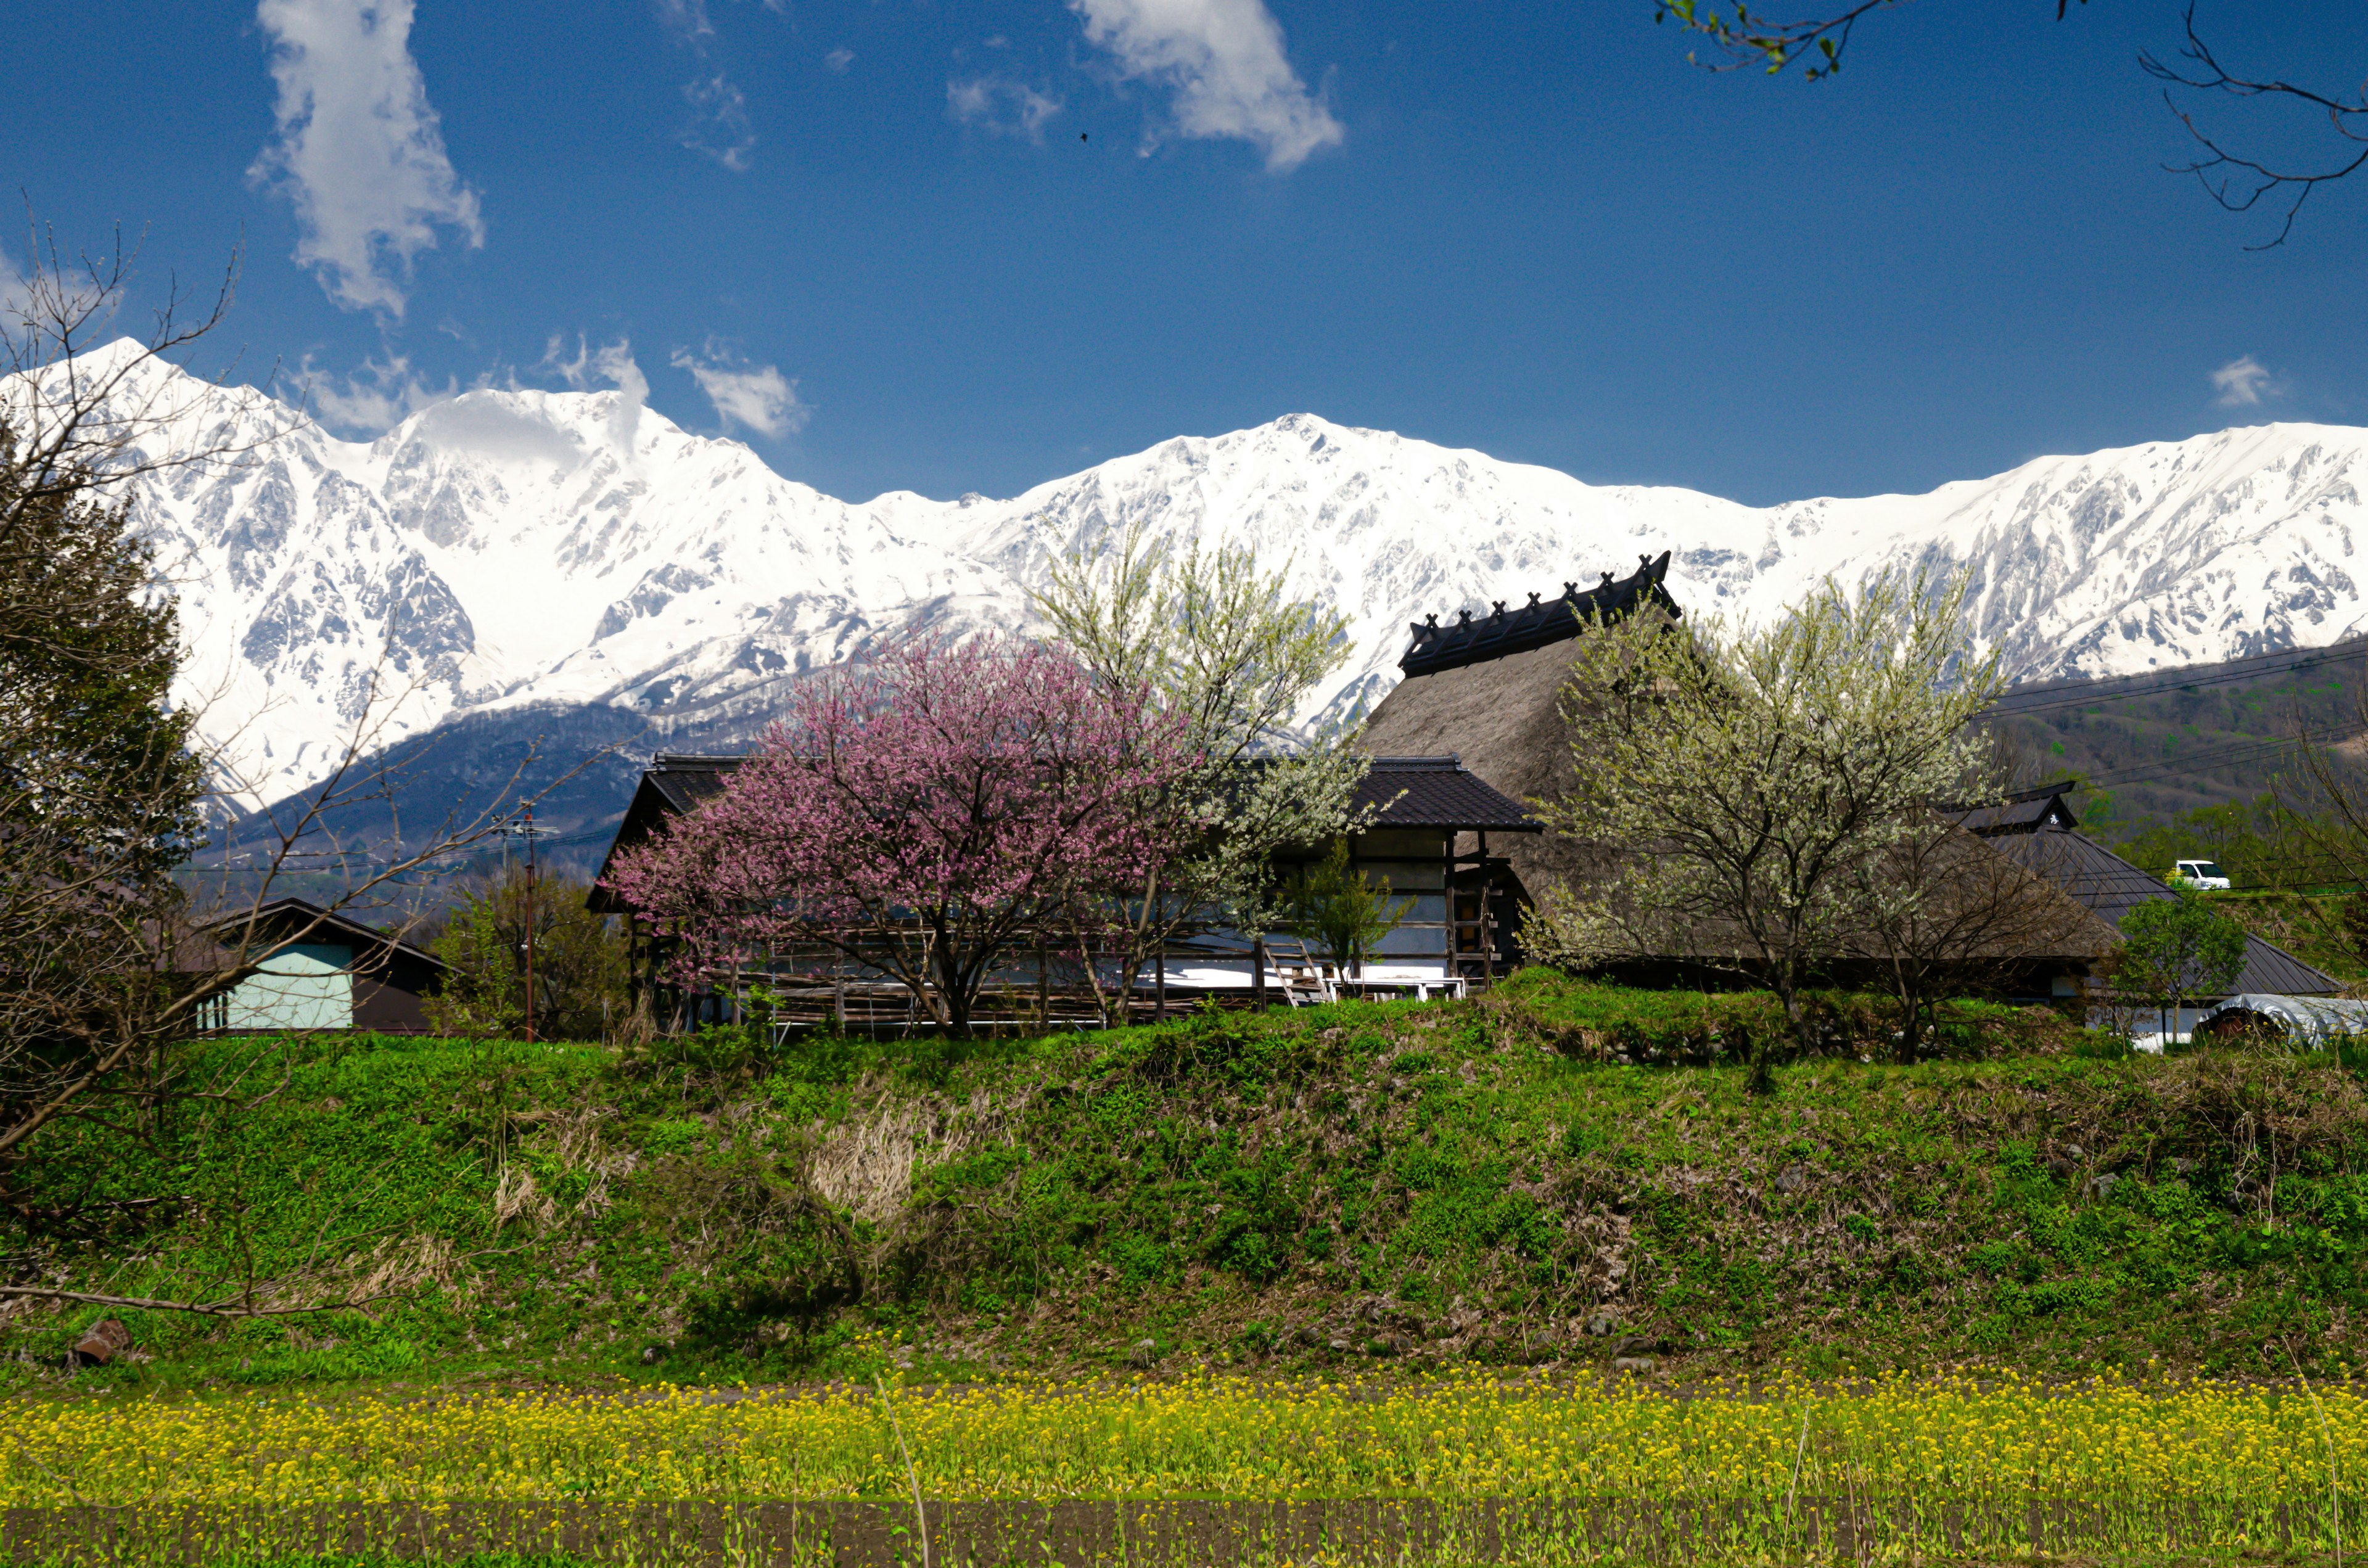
{"x": 756, "y": 397}
{"x": 719, "y": 125}
{"x": 2241, "y": 383}
{"x": 613, "y": 365}
{"x": 1000, "y": 106}
{"x": 687, "y": 19}
{"x": 373, "y": 399}
{"x": 15, "y": 289}
{"x": 359, "y": 152}
{"x": 1224, "y": 61}
{"x": 838, "y": 60}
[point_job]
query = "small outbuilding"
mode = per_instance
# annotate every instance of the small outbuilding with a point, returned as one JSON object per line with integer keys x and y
{"x": 319, "y": 969}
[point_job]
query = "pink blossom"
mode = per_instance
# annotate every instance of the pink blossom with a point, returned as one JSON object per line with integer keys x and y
{"x": 923, "y": 814}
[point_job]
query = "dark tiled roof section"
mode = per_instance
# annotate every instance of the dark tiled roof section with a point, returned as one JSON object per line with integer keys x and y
{"x": 2109, "y": 886}
{"x": 1439, "y": 791}
{"x": 688, "y": 781}
{"x": 2020, "y": 816}
{"x": 1537, "y": 623}
{"x": 671, "y": 786}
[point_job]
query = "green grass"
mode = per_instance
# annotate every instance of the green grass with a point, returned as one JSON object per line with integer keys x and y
{"x": 1398, "y": 1185}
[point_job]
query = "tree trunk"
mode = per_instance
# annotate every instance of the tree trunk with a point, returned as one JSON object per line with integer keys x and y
{"x": 1911, "y": 1011}
{"x": 1788, "y": 991}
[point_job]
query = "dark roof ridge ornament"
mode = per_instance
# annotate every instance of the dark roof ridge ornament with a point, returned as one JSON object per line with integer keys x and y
{"x": 1539, "y": 624}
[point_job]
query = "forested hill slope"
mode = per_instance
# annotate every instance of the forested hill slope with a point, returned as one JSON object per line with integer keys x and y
{"x": 1525, "y": 1180}
{"x": 2195, "y": 736}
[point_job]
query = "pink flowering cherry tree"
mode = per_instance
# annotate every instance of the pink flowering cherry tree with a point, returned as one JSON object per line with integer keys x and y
{"x": 923, "y": 814}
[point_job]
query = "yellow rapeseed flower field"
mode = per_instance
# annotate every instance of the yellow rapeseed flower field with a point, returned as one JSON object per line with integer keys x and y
{"x": 2207, "y": 1462}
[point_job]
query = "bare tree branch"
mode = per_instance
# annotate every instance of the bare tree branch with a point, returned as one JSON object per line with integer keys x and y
{"x": 1772, "y": 45}
{"x": 2238, "y": 183}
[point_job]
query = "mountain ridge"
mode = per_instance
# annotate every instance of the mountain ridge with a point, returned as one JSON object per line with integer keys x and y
{"x": 511, "y": 549}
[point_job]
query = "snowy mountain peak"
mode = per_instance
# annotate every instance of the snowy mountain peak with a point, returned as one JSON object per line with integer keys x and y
{"x": 514, "y": 546}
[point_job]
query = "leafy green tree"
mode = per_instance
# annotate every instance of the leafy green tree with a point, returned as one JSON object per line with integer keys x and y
{"x": 99, "y": 798}
{"x": 2177, "y": 951}
{"x": 1219, "y": 639}
{"x": 580, "y": 961}
{"x": 1748, "y": 786}
{"x": 1334, "y": 905}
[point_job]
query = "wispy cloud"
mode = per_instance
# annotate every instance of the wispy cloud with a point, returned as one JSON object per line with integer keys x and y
{"x": 1001, "y": 107}
{"x": 838, "y": 60}
{"x": 1224, "y": 63}
{"x": 15, "y": 289}
{"x": 755, "y": 397}
{"x": 719, "y": 126}
{"x": 686, "y": 19}
{"x": 612, "y": 365}
{"x": 359, "y": 152}
{"x": 373, "y": 399}
{"x": 2242, "y": 383}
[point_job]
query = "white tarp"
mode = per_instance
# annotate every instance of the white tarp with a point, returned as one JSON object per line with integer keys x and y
{"x": 2312, "y": 1018}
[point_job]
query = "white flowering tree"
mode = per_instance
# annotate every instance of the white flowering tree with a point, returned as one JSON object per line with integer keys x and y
{"x": 1221, "y": 644}
{"x": 1745, "y": 783}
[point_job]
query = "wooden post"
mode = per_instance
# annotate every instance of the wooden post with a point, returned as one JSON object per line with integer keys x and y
{"x": 1043, "y": 988}
{"x": 1488, "y": 933}
{"x": 1258, "y": 972}
{"x": 1159, "y": 987}
{"x": 1447, "y": 888}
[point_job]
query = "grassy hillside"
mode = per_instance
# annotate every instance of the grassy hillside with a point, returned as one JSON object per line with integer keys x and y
{"x": 1484, "y": 1183}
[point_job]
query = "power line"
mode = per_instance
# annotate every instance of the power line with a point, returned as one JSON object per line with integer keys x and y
{"x": 2225, "y": 756}
{"x": 2046, "y": 697}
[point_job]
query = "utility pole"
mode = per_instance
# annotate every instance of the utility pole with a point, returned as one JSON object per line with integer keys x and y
{"x": 529, "y": 920}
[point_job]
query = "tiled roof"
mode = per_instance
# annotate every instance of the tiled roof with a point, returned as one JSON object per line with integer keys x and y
{"x": 2109, "y": 886}
{"x": 2020, "y": 816}
{"x": 672, "y": 785}
{"x": 1439, "y": 791}
{"x": 688, "y": 781}
{"x": 1537, "y": 623}
{"x": 286, "y": 919}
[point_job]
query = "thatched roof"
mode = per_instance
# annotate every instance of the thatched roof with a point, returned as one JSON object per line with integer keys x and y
{"x": 1503, "y": 718}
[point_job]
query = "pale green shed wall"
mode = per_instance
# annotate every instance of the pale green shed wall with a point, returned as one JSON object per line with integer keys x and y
{"x": 306, "y": 985}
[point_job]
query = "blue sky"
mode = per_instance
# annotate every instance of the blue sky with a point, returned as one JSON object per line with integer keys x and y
{"x": 953, "y": 247}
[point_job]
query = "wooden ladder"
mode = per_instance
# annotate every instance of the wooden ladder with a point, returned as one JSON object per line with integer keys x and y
{"x": 1304, "y": 984}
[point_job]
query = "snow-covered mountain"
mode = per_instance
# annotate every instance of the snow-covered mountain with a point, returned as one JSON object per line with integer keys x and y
{"x": 508, "y": 548}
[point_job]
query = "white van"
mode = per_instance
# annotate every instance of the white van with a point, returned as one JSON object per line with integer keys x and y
{"x": 2205, "y": 874}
